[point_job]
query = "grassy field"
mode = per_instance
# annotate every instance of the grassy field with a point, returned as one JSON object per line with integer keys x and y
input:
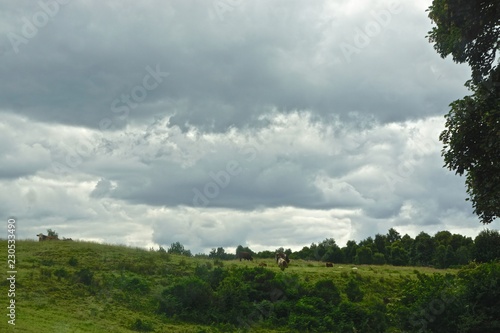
{"x": 88, "y": 287}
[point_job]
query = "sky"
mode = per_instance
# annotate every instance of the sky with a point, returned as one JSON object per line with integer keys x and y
{"x": 221, "y": 123}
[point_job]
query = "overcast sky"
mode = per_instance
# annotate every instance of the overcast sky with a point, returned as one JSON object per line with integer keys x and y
{"x": 226, "y": 122}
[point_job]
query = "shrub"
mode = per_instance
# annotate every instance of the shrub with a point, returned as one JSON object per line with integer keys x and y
{"x": 142, "y": 326}
{"x": 84, "y": 276}
{"x": 47, "y": 262}
{"x": 45, "y": 272}
{"x": 327, "y": 290}
{"x": 61, "y": 273}
{"x": 311, "y": 314}
{"x": 73, "y": 261}
{"x": 191, "y": 298}
{"x": 353, "y": 292}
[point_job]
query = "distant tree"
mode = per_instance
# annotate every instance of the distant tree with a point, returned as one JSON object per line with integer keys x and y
{"x": 328, "y": 250}
{"x": 364, "y": 255}
{"x": 380, "y": 243}
{"x": 305, "y": 253}
{"x": 379, "y": 259}
{"x": 398, "y": 255}
{"x": 422, "y": 250}
{"x": 52, "y": 233}
{"x": 440, "y": 257}
{"x": 442, "y": 238}
{"x": 178, "y": 248}
{"x": 368, "y": 242}
{"x": 407, "y": 242}
{"x": 470, "y": 32}
{"x": 487, "y": 246}
{"x": 240, "y": 249}
{"x": 393, "y": 236}
{"x": 220, "y": 253}
{"x": 265, "y": 254}
{"x": 333, "y": 254}
{"x": 458, "y": 241}
{"x": 463, "y": 255}
{"x": 350, "y": 251}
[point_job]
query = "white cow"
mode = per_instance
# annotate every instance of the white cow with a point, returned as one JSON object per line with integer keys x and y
{"x": 282, "y": 263}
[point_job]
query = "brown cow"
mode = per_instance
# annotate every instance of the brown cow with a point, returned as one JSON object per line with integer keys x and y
{"x": 282, "y": 264}
{"x": 245, "y": 255}
{"x": 329, "y": 264}
{"x": 42, "y": 237}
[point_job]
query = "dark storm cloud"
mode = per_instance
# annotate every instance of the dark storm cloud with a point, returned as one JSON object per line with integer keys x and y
{"x": 221, "y": 73}
{"x": 154, "y": 122}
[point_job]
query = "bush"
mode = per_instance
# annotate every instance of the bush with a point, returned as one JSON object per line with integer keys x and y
{"x": 84, "y": 276}
{"x": 142, "y": 326}
{"x": 353, "y": 291}
{"x": 45, "y": 272}
{"x": 328, "y": 291}
{"x": 191, "y": 298}
{"x": 73, "y": 261}
{"x": 311, "y": 314}
{"x": 232, "y": 299}
{"x": 61, "y": 273}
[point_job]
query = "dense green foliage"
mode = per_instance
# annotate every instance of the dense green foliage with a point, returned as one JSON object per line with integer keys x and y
{"x": 469, "y": 30}
{"x": 441, "y": 250}
{"x": 87, "y": 287}
{"x": 467, "y": 302}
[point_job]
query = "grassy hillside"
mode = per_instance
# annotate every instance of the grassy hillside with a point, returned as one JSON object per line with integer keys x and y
{"x": 88, "y": 287}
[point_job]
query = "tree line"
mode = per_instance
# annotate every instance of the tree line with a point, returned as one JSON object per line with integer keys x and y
{"x": 443, "y": 250}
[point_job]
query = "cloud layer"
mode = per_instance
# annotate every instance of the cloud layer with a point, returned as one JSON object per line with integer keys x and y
{"x": 226, "y": 122}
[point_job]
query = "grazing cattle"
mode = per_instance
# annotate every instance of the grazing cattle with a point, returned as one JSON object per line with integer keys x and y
{"x": 354, "y": 268}
{"x": 329, "y": 264}
{"x": 263, "y": 264}
{"x": 282, "y": 264}
{"x": 245, "y": 255}
{"x": 282, "y": 256}
{"x": 42, "y": 237}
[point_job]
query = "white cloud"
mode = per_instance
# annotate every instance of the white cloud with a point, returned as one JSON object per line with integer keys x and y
{"x": 262, "y": 133}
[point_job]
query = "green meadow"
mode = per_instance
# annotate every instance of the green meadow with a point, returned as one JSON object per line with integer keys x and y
{"x": 73, "y": 286}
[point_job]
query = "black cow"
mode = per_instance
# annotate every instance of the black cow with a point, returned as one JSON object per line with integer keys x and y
{"x": 245, "y": 255}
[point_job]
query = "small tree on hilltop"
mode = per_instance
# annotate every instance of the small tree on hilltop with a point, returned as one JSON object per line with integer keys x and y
{"x": 178, "y": 248}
